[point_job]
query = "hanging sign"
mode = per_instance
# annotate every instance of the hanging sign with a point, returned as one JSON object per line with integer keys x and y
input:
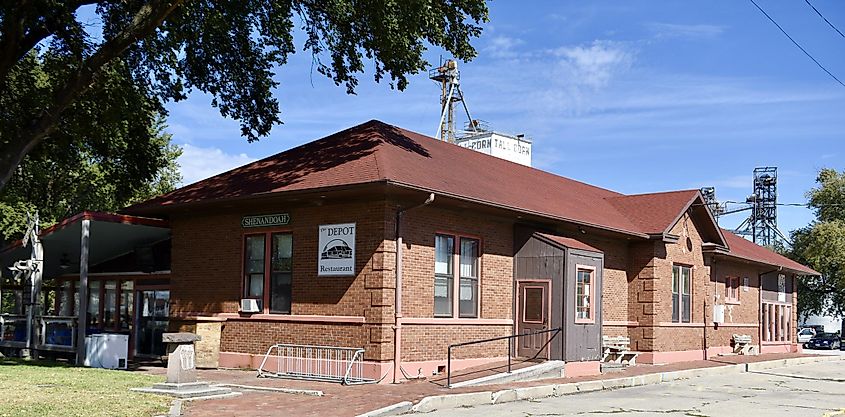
{"x": 264, "y": 220}
{"x": 336, "y": 246}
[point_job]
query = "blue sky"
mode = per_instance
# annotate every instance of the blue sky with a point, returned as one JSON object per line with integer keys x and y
{"x": 634, "y": 96}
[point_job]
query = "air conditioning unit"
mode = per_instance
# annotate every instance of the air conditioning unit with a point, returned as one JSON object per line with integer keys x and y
{"x": 105, "y": 350}
{"x": 250, "y": 305}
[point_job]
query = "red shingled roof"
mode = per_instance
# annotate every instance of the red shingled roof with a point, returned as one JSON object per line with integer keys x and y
{"x": 746, "y": 249}
{"x": 569, "y": 242}
{"x": 377, "y": 152}
{"x": 654, "y": 211}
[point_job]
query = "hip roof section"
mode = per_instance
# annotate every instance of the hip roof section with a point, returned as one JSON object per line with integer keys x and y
{"x": 376, "y": 152}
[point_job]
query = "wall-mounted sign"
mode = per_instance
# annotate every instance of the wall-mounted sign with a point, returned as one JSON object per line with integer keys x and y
{"x": 336, "y": 246}
{"x": 264, "y": 220}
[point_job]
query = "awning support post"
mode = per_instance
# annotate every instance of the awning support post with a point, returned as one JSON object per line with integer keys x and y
{"x": 82, "y": 314}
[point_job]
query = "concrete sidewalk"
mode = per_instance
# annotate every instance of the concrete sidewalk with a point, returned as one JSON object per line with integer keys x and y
{"x": 338, "y": 400}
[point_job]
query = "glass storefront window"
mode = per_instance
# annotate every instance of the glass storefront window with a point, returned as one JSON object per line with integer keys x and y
{"x": 127, "y": 298}
{"x": 66, "y": 301}
{"x": 94, "y": 319}
{"x": 110, "y": 305}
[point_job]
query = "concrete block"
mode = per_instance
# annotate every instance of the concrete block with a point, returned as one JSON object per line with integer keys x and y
{"x": 617, "y": 383}
{"x": 505, "y": 396}
{"x": 649, "y": 379}
{"x": 531, "y": 393}
{"x": 590, "y": 386}
{"x": 565, "y": 389}
{"x": 441, "y": 402}
{"x": 390, "y": 410}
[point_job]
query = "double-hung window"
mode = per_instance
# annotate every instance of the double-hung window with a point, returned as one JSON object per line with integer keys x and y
{"x": 449, "y": 280}
{"x": 444, "y": 248}
{"x": 268, "y": 270}
{"x": 732, "y": 289}
{"x": 468, "y": 306}
{"x": 681, "y": 281}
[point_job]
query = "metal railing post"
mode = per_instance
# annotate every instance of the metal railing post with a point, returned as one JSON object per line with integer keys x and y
{"x": 510, "y": 354}
{"x": 449, "y": 367}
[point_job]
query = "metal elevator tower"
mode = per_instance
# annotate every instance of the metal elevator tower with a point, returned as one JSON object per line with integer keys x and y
{"x": 449, "y": 78}
{"x": 762, "y": 224}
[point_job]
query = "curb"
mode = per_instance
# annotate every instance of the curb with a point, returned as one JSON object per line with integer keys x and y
{"x": 390, "y": 410}
{"x": 450, "y": 401}
{"x": 176, "y": 408}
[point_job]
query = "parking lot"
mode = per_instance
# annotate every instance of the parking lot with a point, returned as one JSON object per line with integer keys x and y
{"x": 805, "y": 390}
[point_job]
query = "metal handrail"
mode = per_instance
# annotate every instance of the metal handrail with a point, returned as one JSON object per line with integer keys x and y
{"x": 556, "y": 331}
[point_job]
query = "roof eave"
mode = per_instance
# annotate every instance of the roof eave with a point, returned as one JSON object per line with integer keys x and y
{"x": 517, "y": 209}
{"x": 726, "y": 253}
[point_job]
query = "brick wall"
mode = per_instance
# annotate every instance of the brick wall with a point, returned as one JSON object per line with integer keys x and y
{"x": 207, "y": 276}
{"x": 207, "y": 253}
{"x": 496, "y": 280}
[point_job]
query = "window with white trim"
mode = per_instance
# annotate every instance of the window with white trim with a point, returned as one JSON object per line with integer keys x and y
{"x": 732, "y": 289}
{"x": 448, "y": 280}
{"x": 584, "y": 295}
{"x": 681, "y": 285}
{"x": 468, "y": 292}
{"x": 444, "y": 247}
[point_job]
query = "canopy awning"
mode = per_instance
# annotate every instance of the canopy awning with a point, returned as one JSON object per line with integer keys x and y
{"x": 111, "y": 235}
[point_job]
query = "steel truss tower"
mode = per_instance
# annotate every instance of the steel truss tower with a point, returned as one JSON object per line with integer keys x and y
{"x": 762, "y": 224}
{"x": 449, "y": 78}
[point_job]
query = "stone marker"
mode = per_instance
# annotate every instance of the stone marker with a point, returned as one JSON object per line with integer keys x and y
{"x": 181, "y": 359}
{"x": 182, "y": 372}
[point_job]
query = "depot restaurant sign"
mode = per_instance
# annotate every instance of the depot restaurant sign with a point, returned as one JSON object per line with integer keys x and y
{"x": 336, "y": 250}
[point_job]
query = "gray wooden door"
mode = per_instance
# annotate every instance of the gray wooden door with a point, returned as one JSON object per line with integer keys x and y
{"x": 533, "y": 302}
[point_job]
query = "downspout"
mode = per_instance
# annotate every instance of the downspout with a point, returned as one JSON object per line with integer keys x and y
{"x": 760, "y": 305}
{"x": 397, "y": 318}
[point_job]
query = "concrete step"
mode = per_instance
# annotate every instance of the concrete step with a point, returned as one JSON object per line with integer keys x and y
{"x": 187, "y": 391}
{"x": 544, "y": 370}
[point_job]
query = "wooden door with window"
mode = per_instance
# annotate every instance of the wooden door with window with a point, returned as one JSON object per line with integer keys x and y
{"x": 533, "y": 302}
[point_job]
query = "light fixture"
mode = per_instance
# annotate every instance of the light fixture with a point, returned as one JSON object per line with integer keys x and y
{"x": 581, "y": 229}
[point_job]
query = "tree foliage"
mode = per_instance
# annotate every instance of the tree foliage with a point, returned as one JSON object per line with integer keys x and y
{"x": 109, "y": 151}
{"x": 821, "y": 245}
{"x": 228, "y": 48}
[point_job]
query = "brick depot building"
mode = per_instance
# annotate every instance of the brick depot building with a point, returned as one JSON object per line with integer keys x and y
{"x": 502, "y": 249}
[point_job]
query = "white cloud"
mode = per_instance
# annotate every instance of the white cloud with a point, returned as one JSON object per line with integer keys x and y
{"x": 503, "y": 47}
{"x": 674, "y": 30}
{"x": 596, "y": 64}
{"x": 197, "y": 163}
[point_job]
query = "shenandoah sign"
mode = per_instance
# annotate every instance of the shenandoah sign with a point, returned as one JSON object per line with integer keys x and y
{"x": 265, "y": 220}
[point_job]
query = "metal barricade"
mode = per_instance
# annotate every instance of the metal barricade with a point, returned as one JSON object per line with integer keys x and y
{"x": 57, "y": 333}
{"x": 13, "y": 330}
{"x": 315, "y": 363}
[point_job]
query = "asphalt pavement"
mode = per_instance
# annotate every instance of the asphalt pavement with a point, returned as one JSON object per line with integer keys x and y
{"x": 816, "y": 389}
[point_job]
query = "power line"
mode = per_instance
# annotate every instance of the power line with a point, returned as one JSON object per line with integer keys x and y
{"x": 825, "y": 19}
{"x": 796, "y": 43}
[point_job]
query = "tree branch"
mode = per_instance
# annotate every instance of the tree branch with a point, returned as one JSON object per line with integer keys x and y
{"x": 20, "y": 36}
{"x": 150, "y": 16}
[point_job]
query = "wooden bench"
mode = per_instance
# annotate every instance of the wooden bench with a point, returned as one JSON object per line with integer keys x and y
{"x": 617, "y": 349}
{"x": 742, "y": 344}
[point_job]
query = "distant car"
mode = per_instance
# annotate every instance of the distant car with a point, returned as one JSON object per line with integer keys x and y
{"x": 824, "y": 341}
{"x": 805, "y": 334}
